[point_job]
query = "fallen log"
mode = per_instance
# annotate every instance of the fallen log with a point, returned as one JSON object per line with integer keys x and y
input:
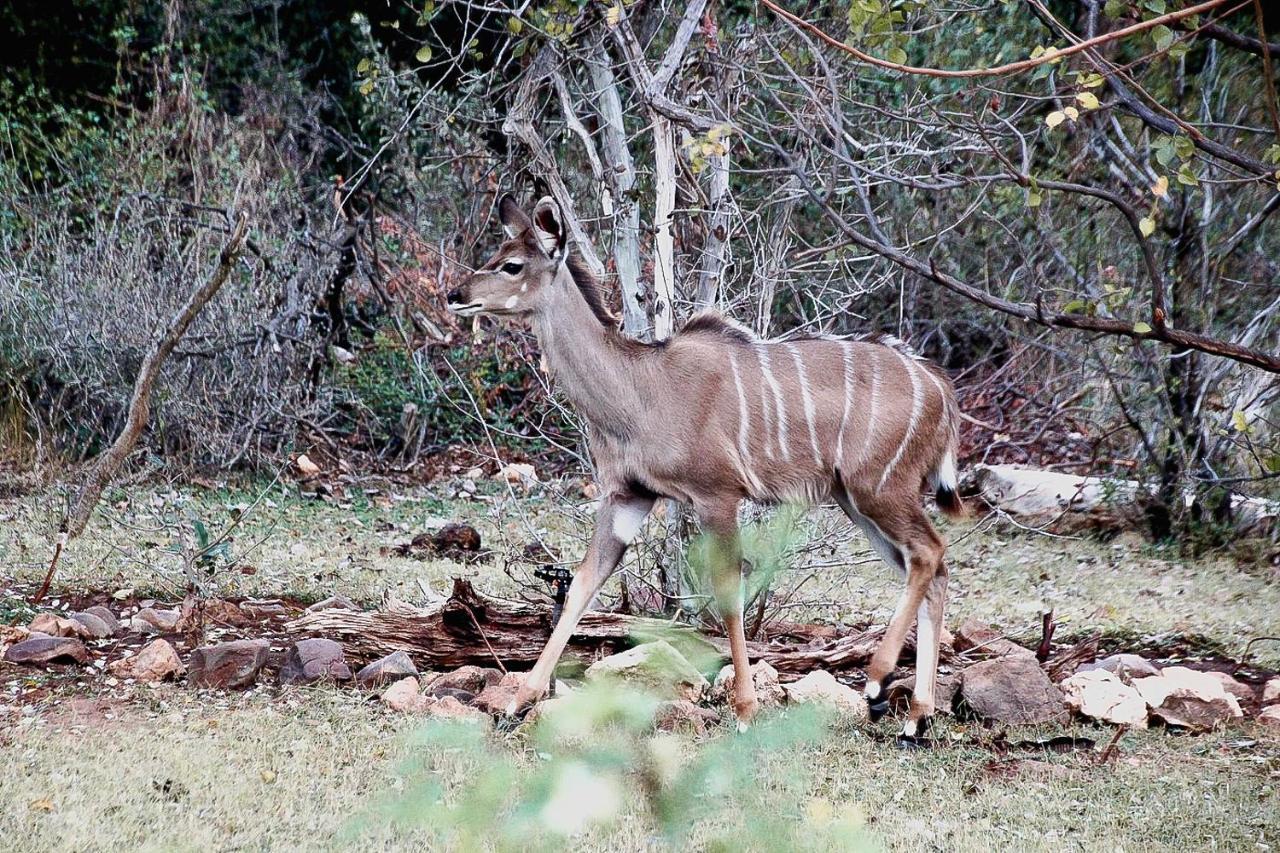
{"x": 469, "y": 627}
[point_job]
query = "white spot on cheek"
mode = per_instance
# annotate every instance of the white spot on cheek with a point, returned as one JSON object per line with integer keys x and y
{"x": 524, "y": 288}
{"x": 627, "y": 521}
{"x": 511, "y": 302}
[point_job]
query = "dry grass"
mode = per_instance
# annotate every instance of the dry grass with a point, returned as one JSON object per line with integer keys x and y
{"x": 122, "y": 768}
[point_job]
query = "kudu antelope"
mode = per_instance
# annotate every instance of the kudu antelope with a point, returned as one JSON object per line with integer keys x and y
{"x": 716, "y": 415}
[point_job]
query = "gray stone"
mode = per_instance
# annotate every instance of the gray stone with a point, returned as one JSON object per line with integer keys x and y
{"x": 1271, "y": 692}
{"x": 228, "y": 665}
{"x": 312, "y": 660}
{"x": 1124, "y": 666}
{"x": 390, "y": 668}
{"x": 1012, "y": 690}
{"x": 148, "y": 620}
{"x": 157, "y": 661}
{"x": 106, "y": 616}
{"x": 820, "y": 687}
{"x": 333, "y": 602}
{"x": 765, "y": 678}
{"x": 1183, "y": 697}
{"x": 94, "y": 625}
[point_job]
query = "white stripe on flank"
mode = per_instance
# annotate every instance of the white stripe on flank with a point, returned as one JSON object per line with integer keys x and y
{"x": 873, "y": 355}
{"x": 783, "y": 442}
{"x": 917, "y": 402}
{"x": 806, "y": 397}
{"x": 765, "y": 413}
{"x": 846, "y": 356}
{"x": 743, "y": 413}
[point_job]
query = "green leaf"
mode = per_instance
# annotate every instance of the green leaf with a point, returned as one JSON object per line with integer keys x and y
{"x": 1115, "y": 8}
{"x": 1156, "y": 6}
{"x": 1162, "y": 36}
{"x": 1240, "y": 421}
{"x": 514, "y": 25}
{"x": 1147, "y": 226}
{"x": 1142, "y": 328}
{"x": 1186, "y": 177}
{"x": 1088, "y": 100}
{"x": 897, "y": 55}
{"x": 1077, "y": 306}
{"x": 362, "y": 66}
{"x": 1184, "y": 147}
{"x": 424, "y": 54}
{"x": 1272, "y": 154}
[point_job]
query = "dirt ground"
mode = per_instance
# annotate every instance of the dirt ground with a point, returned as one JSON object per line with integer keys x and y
{"x": 94, "y": 765}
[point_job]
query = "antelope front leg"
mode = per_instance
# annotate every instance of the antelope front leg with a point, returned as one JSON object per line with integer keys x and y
{"x": 725, "y": 559}
{"x": 617, "y": 523}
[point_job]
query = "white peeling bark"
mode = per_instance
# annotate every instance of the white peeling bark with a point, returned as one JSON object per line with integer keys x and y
{"x": 664, "y": 253}
{"x": 618, "y": 199}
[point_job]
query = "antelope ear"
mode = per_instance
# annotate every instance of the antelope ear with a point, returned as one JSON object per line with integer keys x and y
{"x": 514, "y": 220}
{"x": 548, "y": 225}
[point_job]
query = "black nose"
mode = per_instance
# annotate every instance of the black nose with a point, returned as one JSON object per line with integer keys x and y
{"x": 455, "y": 296}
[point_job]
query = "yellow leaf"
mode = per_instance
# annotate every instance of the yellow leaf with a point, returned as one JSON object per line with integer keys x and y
{"x": 1072, "y": 113}
{"x": 1240, "y": 421}
{"x": 1088, "y": 100}
{"x": 1147, "y": 226}
{"x": 1161, "y": 187}
{"x": 1142, "y": 328}
{"x": 613, "y": 16}
{"x": 423, "y": 54}
{"x": 1055, "y": 118}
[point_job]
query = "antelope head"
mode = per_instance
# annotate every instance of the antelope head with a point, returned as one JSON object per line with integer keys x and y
{"x": 515, "y": 279}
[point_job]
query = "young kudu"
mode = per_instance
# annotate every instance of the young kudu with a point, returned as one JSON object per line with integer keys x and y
{"x": 714, "y": 416}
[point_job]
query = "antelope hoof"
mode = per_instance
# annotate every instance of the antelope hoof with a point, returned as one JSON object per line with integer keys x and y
{"x": 915, "y": 734}
{"x": 524, "y": 700}
{"x": 745, "y": 711}
{"x": 877, "y": 697}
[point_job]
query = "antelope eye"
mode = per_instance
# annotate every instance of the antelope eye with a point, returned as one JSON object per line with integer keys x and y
{"x": 512, "y": 267}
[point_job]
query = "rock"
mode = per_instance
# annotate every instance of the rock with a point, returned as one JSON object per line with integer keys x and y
{"x": 228, "y": 666}
{"x": 681, "y": 715}
{"x": 403, "y": 696}
{"x": 821, "y": 686}
{"x": 1012, "y": 690}
{"x": 306, "y": 467}
{"x": 157, "y": 661}
{"x": 312, "y": 660}
{"x": 261, "y": 611}
{"x": 461, "y": 695}
{"x": 496, "y": 698}
{"x": 105, "y": 615}
{"x": 42, "y": 649}
{"x": 1100, "y": 695}
{"x": 1270, "y": 716}
{"x": 981, "y": 638}
{"x": 1186, "y": 698}
{"x": 519, "y": 474}
{"x": 1271, "y": 692}
{"x": 148, "y": 620}
{"x": 768, "y": 691}
{"x": 944, "y": 691}
{"x": 1126, "y": 667}
{"x": 333, "y": 602}
{"x": 471, "y": 679}
{"x": 654, "y": 666}
{"x": 1243, "y": 692}
{"x": 95, "y": 627}
{"x": 449, "y": 708}
{"x": 54, "y": 625}
{"x": 212, "y": 611}
{"x": 393, "y": 666}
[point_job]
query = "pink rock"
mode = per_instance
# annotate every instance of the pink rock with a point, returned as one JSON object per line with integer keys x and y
{"x": 1012, "y": 690}
{"x": 822, "y": 688}
{"x": 157, "y": 661}
{"x": 449, "y": 708}
{"x": 496, "y": 698}
{"x": 1186, "y": 698}
{"x": 385, "y": 669}
{"x": 1270, "y": 716}
{"x": 768, "y": 691}
{"x": 148, "y": 620}
{"x": 403, "y": 696}
{"x": 1271, "y": 692}
{"x": 312, "y": 660}
{"x": 1240, "y": 690}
